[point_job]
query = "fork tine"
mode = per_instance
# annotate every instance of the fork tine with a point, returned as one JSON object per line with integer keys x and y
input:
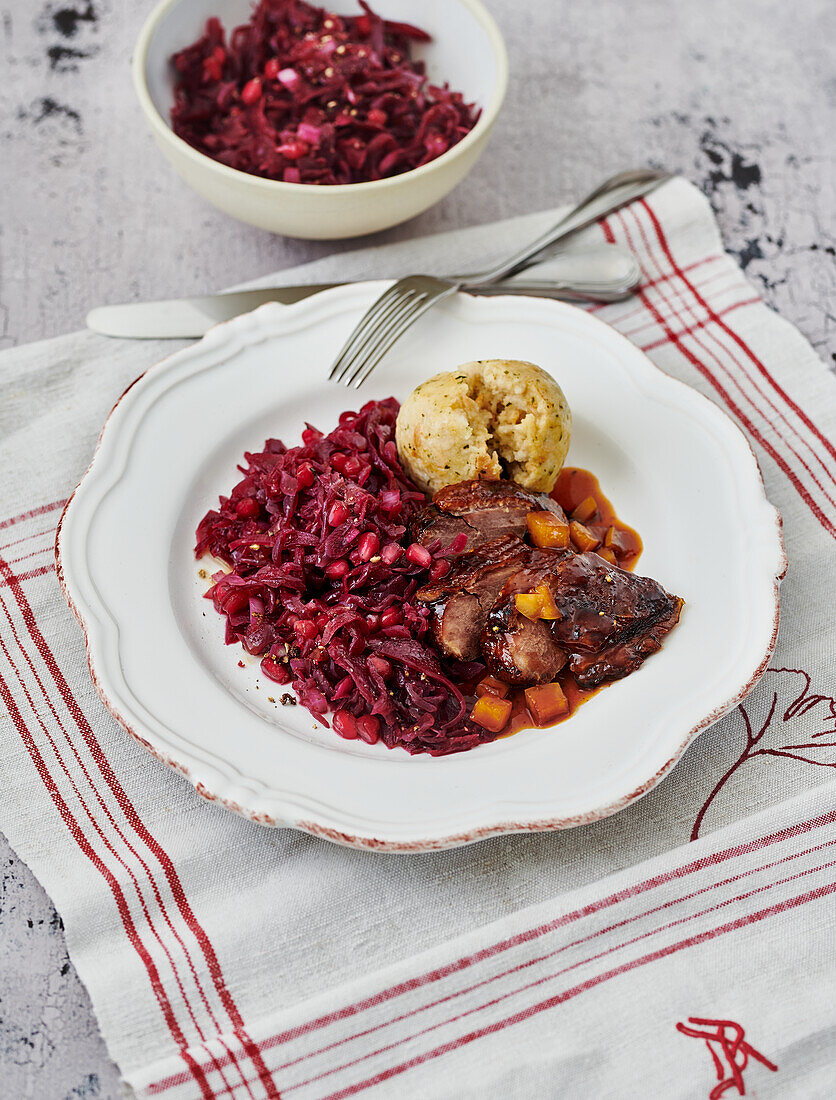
{"x": 369, "y": 319}
{"x": 384, "y": 319}
{"x": 393, "y": 320}
{"x": 407, "y": 319}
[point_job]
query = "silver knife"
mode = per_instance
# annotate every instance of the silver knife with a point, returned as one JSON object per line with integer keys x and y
{"x": 604, "y": 272}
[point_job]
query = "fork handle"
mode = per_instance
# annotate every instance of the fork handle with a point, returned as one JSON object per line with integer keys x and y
{"x": 547, "y": 290}
{"x": 609, "y": 196}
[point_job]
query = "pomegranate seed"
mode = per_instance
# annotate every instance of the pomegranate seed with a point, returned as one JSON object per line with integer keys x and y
{"x": 363, "y": 24}
{"x": 390, "y": 499}
{"x": 373, "y": 624}
{"x": 368, "y": 729}
{"x": 345, "y": 725}
{"x": 337, "y": 513}
{"x": 352, "y": 466}
{"x": 458, "y": 544}
{"x": 439, "y": 569}
{"x": 273, "y": 670}
{"x": 305, "y": 476}
{"x": 419, "y": 555}
{"x": 271, "y": 69}
{"x": 368, "y": 546}
{"x": 212, "y": 69}
{"x": 248, "y": 508}
{"x": 380, "y": 665}
{"x": 391, "y": 617}
{"x": 390, "y": 553}
{"x": 376, "y": 117}
{"x": 337, "y": 569}
{"x": 338, "y": 462}
{"x": 311, "y": 435}
{"x": 305, "y": 628}
{"x": 251, "y": 92}
{"x": 219, "y": 54}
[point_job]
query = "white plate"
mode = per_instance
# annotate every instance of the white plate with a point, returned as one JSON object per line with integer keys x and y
{"x": 673, "y": 464}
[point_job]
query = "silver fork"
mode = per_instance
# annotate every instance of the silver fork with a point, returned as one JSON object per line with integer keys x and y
{"x": 401, "y": 304}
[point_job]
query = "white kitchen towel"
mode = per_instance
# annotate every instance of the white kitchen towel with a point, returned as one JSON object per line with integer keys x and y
{"x": 203, "y": 938}
{"x": 601, "y": 992}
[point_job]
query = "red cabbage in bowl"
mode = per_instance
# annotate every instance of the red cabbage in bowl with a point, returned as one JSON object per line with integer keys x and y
{"x": 302, "y": 95}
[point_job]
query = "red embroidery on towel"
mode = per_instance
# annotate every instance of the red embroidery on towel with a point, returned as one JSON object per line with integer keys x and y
{"x": 729, "y": 1051}
{"x": 799, "y": 724}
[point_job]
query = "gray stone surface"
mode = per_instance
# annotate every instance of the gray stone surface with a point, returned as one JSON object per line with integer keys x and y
{"x": 738, "y": 96}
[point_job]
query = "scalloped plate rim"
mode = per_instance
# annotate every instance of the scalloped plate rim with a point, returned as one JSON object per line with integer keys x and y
{"x": 286, "y": 808}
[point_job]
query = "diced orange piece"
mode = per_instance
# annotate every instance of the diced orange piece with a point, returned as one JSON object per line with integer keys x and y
{"x": 585, "y": 510}
{"x": 607, "y": 554}
{"x": 490, "y": 684}
{"x": 546, "y": 703}
{"x": 529, "y": 604}
{"x": 491, "y": 713}
{"x": 582, "y": 537}
{"x": 548, "y": 530}
{"x": 549, "y": 609}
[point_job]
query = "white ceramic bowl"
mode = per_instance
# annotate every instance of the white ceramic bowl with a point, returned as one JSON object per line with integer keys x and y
{"x": 467, "y": 51}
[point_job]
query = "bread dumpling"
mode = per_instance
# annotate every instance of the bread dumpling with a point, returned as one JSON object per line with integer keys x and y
{"x": 487, "y": 419}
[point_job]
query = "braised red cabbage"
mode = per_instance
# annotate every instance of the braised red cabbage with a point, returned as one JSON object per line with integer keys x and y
{"x": 323, "y": 581}
{"x": 302, "y": 95}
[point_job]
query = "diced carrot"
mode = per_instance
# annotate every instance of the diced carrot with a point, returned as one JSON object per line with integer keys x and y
{"x": 529, "y": 604}
{"x": 491, "y": 713}
{"x": 548, "y": 530}
{"x": 546, "y": 702}
{"x": 490, "y": 684}
{"x": 582, "y": 537}
{"x": 585, "y": 510}
{"x": 607, "y": 554}
{"x": 549, "y": 609}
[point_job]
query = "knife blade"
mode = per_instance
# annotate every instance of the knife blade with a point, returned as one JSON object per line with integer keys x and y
{"x": 601, "y": 273}
{"x": 190, "y": 317}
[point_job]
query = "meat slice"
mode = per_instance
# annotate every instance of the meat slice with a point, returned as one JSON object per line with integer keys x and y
{"x": 482, "y": 510}
{"x": 520, "y": 650}
{"x": 608, "y": 620}
{"x": 603, "y": 606}
{"x": 460, "y": 601}
{"x": 617, "y": 661}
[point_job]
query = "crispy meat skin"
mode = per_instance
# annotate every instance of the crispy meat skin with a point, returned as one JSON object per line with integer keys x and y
{"x": 476, "y": 496}
{"x": 610, "y": 620}
{"x": 460, "y": 601}
{"x": 617, "y": 661}
{"x": 482, "y": 510}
